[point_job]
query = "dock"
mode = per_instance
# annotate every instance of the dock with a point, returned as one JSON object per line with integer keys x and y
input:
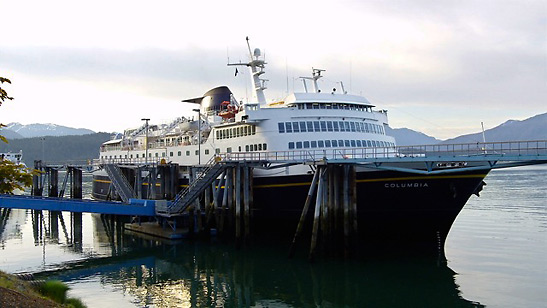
{"x": 221, "y": 192}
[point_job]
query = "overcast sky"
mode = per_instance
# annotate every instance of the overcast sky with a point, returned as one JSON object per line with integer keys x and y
{"x": 440, "y": 67}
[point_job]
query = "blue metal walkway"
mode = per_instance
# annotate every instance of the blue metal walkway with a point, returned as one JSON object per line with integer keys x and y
{"x": 136, "y": 207}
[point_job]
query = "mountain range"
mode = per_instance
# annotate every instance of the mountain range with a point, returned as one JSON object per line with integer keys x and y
{"x": 17, "y": 130}
{"x": 534, "y": 128}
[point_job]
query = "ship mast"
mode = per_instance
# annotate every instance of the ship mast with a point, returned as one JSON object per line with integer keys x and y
{"x": 256, "y": 66}
{"x": 316, "y": 74}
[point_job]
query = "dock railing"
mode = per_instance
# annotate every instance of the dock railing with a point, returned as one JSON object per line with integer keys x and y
{"x": 461, "y": 150}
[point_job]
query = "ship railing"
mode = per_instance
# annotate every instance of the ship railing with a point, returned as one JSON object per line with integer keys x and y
{"x": 460, "y": 150}
{"x": 129, "y": 161}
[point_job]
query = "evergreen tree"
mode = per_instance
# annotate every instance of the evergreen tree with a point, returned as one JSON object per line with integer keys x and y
{"x": 12, "y": 176}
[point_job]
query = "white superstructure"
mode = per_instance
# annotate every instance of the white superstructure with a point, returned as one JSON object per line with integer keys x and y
{"x": 302, "y": 121}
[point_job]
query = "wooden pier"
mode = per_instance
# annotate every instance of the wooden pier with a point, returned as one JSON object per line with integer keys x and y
{"x": 220, "y": 193}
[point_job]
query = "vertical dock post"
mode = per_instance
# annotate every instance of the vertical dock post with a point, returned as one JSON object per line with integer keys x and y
{"x": 224, "y": 200}
{"x": 300, "y": 226}
{"x": 76, "y": 185}
{"x": 216, "y": 198}
{"x": 37, "y": 187}
{"x": 324, "y": 204}
{"x": 77, "y": 230}
{"x": 346, "y": 203}
{"x": 246, "y": 202}
{"x": 336, "y": 187}
{"x": 238, "y": 204}
{"x": 231, "y": 196}
{"x": 191, "y": 222}
{"x": 53, "y": 182}
{"x": 197, "y": 207}
{"x": 138, "y": 182}
{"x": 353, "y": 198}
{"x": 163, "y": 180}
{"x": 316, "y": 219}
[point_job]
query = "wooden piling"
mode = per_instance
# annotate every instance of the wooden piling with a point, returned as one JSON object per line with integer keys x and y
{"x": 318, "y": 202}
{"x": 300, "y": 226}
{"x": 324, "y": 205}
{"x": 353, "y": 199}
{"x": 237, "y": 187}
{"x": 207, "y": 207}
{"x": 338, "y": 214}
{"x": 346, "y": 204}
{"x": 53, "y": 182}
{"x": 230, "y": 205}
{"x": 247, "y": 209}
{"x": 217, "y": 198}
{"x": 76, "y": 184}
{"x": 37, "y": 187}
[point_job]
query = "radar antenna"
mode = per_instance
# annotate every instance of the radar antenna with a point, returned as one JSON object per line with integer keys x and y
{"x": 256, "y": 66}
{"x": 316, "y": 74}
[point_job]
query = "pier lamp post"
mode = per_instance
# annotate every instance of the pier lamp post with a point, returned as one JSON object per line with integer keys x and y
{"x": 43, "y": 157}
{"x": 146, "y": 141}
{"x": 199, "y": 134}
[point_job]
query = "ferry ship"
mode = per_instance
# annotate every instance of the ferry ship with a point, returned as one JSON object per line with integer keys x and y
{"x": 16, "y": 158}
{"x": 392, "y": 205}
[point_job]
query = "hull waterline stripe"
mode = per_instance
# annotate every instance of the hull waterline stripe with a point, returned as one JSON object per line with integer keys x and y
{"x": 410, "y": 178}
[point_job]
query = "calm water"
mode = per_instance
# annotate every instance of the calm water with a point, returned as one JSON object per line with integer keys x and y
{"x": 496, "y": 255}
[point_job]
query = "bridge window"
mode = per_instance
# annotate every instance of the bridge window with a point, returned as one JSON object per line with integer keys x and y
{"x": 303, "y": 127}
{"x": 306, "y": 144}
{"x": 299, "y": 144}
{"x": 310, "y": 126}
{"x": 288, "y": 127}
{"x": 335, "y": 126}
{"x": 316, "y": 126}
{"x": 323, "y": 126}
{"x": 314, "y": 144}
{"x": 341, "y": 124}
{"x": 295, "y": 127}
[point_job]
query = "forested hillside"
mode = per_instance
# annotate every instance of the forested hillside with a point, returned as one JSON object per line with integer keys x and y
{"x": 57, "y": 149}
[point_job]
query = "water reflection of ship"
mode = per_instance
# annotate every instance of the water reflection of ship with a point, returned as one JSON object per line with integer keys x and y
{"x": 164, "y": 275}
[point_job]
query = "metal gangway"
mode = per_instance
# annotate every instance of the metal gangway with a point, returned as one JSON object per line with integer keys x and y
{"x": 120, "y": 182}
{"x": 212, "y": 169}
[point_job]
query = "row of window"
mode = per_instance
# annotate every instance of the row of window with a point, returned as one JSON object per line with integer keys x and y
{"x": 248, "y": 148}
{"x": 335, "y": 106}
{"x": 234, "y": 132}
{"x": 329, "y": 126}
{"x": 338, "y": 144}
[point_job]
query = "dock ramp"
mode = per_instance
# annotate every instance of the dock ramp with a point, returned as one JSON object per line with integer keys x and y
{"x": 188, "y": 195}
{"x": 120, "y": 182}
